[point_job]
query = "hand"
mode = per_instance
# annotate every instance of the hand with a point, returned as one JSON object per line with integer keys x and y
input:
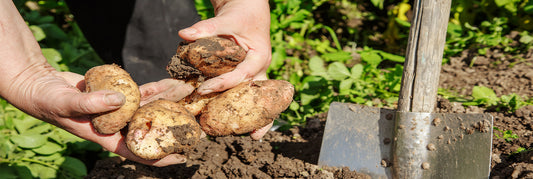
{"x": 247, "y": 22}
{"x": 61, "y": 103}
{"x": 32, "y": 85}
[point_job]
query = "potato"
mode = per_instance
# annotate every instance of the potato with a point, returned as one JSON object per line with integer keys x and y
{"x": 205, "y": 58}
{"x": 246, "y": 107}
{"x": 112, "y": 77}
{"x": 160, "y": 128}
{"x": 194, "y": 103}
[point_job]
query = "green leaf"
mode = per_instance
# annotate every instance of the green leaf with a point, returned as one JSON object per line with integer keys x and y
{"x": 378, "y": 3}
{"x": 54, "y": 32}
{"x": 525, "y": 38}
{"x": 53, "y": 57}
{"x": 50, "y": 158}
{"x": 338, "y": 71}
{"x": 403, "y": 23}
{"x": 61, "y": 136}
{"x": 485, "y": 95}
{"x": 38, "y": 33}
{"x": 454, "y": 30}
{"x": 528, "y": 9}
{"x": 345, "y": 86}
{"x": 40, "y": 129}
{"x": 73, "y": 167}
{"x": 391, "y": 57}
{"x": 29, "y": 140}
{"x": 41, "y": 171}
{"x": 357, "y": 71}
{"x": 339, "y": 56}
{"x": 14, "y": 171}
{"x": 317, "y": 66}
{"x": 297, "y": 17}
{"x": 48, "y": 148}
{"x": 26, "y": 122}
{"x": 6, "y": 147}
{"x": 371, "y": 58}
{"x": 278, "y": 57}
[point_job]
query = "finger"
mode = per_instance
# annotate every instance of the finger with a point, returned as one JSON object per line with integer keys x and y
{"x": 171, "y": 159}
{"x": 207, "y": 28}
{"x": 259, "y": 133}
{"x": 70, "y": 104}
{"x": 120, "y": 148}
{"x": 253, "y": 67}
{"x": 169, "y": 89}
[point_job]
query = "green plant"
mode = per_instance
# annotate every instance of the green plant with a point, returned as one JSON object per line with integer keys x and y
{"x": 60, "y": 38}
{"x": 323, "y": 61}
{"x": 484, "y": 96}
{"x": 31, "y": 148}
{"x": 507, "y": 135}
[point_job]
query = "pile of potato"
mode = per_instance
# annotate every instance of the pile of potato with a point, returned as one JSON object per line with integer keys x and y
{"x": 164, "y": 127}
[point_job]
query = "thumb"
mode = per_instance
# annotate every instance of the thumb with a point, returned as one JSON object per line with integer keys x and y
{"x": 205, "y": 28}
{"x": 77, "y": 104}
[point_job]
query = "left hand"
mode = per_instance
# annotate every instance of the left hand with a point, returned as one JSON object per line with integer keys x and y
{"x": 169, "y": 89}
{"x": 247, "y": 22}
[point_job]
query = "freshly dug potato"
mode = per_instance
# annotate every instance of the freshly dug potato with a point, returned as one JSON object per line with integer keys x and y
{"x": 112, "y": 77}
{"x": 160, "y": 128}
{"x": 194, "y": 103}
{"x": 246, "y": 107}
{"x": 205, "y": 58}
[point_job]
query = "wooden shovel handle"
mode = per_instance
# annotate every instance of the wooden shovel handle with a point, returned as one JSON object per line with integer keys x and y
{"x": 423, "y": 60}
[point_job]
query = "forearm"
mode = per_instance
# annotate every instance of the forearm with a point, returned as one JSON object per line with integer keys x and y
{"x": 19, "y": 51}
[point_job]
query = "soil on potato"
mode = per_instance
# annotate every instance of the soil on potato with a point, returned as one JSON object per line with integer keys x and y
{"x": 294, "y": 153}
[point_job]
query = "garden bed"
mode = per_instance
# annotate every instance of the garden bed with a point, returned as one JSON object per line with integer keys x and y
{"x": 294, "y": 153}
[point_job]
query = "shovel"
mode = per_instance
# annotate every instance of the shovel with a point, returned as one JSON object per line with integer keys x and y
{"x": 412, "y": 141}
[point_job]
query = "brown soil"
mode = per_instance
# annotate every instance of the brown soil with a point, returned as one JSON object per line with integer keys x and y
{"x": 294, "y": 153}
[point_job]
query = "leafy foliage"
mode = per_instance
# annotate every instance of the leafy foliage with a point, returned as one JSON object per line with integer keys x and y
{"x": 31, "y": 148}
{"x": 484, "y": 96}
{"x": 317, "y": 48}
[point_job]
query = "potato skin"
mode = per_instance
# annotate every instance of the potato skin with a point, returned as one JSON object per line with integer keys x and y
{"x": 160, "y": 128}
{"x": 195, "y": 102}
{"x": 112, "y": 77}
{"x": 205, "y": 58}
{"x": 246, "y": 107}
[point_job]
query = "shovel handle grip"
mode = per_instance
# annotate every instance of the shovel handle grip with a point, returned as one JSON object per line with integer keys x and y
{"x": 423, "y": 60}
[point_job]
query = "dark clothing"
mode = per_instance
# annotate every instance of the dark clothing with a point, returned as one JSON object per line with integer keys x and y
{"x": 140, "y": 35}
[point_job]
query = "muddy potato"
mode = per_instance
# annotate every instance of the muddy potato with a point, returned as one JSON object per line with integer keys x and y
{"x": 112, "y": 77}
{"x": 206, "y": 57}
{"x": 194, "y": 103}
{"x": 160, "y": 128}
{"x": 246, "y": 107}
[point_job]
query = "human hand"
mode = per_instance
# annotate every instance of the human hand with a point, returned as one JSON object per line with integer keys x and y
{"x": 32, "y": 85}
{"x": 60, "y": 101}
{"x": 247, "y": 22}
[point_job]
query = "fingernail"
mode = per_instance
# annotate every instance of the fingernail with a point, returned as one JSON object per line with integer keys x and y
{"x": 189, "y": 31}
{"x": 204, "y": 91}
{"x": 114, "y": 99}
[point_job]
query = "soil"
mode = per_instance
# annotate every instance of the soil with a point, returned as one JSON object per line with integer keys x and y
{"x": 294, "y": 153}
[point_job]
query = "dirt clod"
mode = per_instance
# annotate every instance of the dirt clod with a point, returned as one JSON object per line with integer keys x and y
{"x": 437, "y": 121}
{"x": 425, "y": 166}
{"x": 431, "y": 147}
